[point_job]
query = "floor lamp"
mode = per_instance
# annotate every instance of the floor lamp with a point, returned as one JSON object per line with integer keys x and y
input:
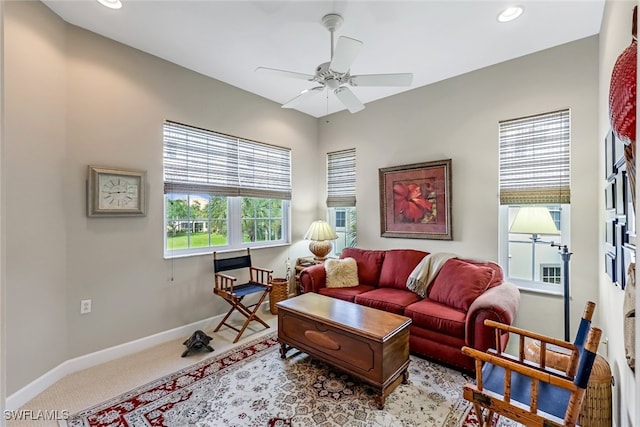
{"x": 537, "y": 221}
{"x": 566, "y": 255}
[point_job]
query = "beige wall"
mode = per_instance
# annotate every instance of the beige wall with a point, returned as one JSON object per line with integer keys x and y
{"x": 35, "y": 196}
{"x": 458, "y": 119}
{"x": 76, "y": 99}
{"x": 615, "y": 36}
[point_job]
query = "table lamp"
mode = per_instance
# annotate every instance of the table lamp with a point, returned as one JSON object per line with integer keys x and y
{"x": 321, "y": 234}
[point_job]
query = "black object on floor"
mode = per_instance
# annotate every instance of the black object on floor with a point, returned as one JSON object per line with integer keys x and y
{"x": 197, "y": 341}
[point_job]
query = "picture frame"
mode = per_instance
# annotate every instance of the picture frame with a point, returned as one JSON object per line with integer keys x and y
{"x": 630, "y": 216}
{"x": 113, "y": 192}
{"x": 610, "y": 195}
{"x": 415, "y": 201}
{"x": 610, "y": 155}
{"x": 610, "y": 266}
{"x": 621, "y": 275}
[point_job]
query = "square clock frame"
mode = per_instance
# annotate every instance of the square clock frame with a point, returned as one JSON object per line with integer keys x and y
{"x": 115, "y": 192}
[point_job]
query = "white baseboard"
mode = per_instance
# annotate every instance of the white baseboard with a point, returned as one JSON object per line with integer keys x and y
{"x": 37, "y": 386}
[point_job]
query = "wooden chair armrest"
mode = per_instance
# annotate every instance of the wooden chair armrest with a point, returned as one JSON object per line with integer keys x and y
{"x": 260, "y": 275}
{"x": 224, "y": 282}
{"x": 529, "y": 334}
{"x": 516, "y": 366}
{"x": 530, "y": 363}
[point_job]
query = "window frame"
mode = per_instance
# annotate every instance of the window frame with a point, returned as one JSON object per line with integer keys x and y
{"x": 341, "y": 193}
{"x": 524, "y": 145}
{"x": 229, "y": 166}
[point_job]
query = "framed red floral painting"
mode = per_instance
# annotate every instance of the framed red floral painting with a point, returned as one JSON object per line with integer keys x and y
{"x": 415, "y": 201}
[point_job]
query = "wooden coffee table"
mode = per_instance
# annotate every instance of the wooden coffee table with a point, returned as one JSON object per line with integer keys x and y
{"x": 367, "y": 343}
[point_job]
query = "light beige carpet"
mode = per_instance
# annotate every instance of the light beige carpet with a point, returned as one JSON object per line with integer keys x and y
{"x": 91, "y": 386}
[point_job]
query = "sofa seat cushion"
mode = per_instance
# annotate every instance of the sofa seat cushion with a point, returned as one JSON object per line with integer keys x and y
{"x": 442, "y": 339}
{"x": 397, "y": 266}
{"x": 429, "y": 314}
{"x": 459, "y": 283}
{"x": 369, "y": 264}
{"x": 387, "y": 299}
{"x": 346, "y": 294}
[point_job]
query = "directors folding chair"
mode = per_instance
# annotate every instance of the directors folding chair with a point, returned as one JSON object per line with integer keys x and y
{"x": 226, "y": 287}
{"x": 528, "y": 392}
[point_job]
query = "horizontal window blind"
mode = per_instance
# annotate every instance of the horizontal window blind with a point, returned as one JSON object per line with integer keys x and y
{"x": 202, "y": 161}
{"x": 535, "y": 159}
{"x": 341, "y": 178}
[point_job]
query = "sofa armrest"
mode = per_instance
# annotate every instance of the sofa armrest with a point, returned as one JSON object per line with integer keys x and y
{"x": 313, "y": 278}
{"x": 499, "y": 303}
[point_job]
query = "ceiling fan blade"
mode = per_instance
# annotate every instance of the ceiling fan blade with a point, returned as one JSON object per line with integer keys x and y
{"x": 305, "y": 94}
{"x": 349, "y": 100}
{"x": 283, "y": 73}
{"x": 345, "y": 53}
{"x": 400, "y": 79}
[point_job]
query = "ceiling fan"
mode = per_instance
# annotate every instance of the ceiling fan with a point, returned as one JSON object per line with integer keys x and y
{"x": 335, "y": 75}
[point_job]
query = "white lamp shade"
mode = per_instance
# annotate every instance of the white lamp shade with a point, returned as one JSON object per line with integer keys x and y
{"x": 320, "y": 231}
{"x": 533, "y": 220}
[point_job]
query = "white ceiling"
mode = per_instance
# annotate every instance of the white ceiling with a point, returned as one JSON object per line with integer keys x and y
{"x": 432, "y": 39}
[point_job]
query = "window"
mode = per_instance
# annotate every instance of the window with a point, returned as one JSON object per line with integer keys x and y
{"x": 550, "y": 273}
{"x": 534, "y": 198}
{"x": 341, "y": 218}
{"x": 223, "y": 192}
{"x": 341, "y": 197}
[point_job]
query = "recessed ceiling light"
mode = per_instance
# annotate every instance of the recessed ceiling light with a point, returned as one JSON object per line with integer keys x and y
{"x": 111, "y": 4}
{"x": 510, "y": 13}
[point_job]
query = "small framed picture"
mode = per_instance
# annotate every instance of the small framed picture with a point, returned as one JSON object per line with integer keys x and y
{"x": 610, "y": 195}
{"x": 115, "y": 192}
{"x": 610, "y": 157}
{"x": 621, "y": 275}
{"x": 619, "y": 157}
{"x": 630, "y": 214}
{"x": 610, "y": 266}
{"x": 621, "y": 191}
{"x": 610, "y": 235}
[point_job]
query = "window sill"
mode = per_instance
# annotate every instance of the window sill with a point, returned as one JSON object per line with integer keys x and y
{"x": 536, "y": 287}
{"x": 209, "y": 251}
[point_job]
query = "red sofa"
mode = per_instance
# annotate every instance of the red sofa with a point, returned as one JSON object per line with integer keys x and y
{"x": 458, "y": 300}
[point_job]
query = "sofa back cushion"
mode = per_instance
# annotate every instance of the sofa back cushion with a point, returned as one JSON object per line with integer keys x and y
{"x": 498, "y": 276}
{"x": 369, "y": 264}
{"x": 459, "y": 283}
{"x": 398, "y": 265}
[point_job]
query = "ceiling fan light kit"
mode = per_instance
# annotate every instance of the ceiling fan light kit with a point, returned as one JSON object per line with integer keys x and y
{"x": 335, "y": 74}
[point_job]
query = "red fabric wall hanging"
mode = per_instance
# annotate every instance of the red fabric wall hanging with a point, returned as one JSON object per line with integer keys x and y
{"x": 622, "y": 103}
{"x": 622, "y": 92}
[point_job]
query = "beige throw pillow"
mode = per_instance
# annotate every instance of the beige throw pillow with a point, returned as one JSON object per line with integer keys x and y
{"x": 341, "y": 273}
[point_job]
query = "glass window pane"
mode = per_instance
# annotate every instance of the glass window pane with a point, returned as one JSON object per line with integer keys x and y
{"x": 343, "y": 221}
{"x": 196, "y": 221}
{"x": 261, "y": 219}
{"x": 177, "y": 220}
{"x": 530, "y": 254}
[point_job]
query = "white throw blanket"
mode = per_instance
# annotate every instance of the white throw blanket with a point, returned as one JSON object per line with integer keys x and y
{"x": 421, "y": 276}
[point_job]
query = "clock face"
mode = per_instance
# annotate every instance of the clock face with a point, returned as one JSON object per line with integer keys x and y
{"x": 118, "y": 192}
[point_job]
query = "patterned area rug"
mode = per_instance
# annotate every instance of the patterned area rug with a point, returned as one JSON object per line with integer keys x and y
{"x": 252, "y": 386}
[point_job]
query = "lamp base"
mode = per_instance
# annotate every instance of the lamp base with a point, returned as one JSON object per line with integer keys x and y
{"x": 320, "y": 250}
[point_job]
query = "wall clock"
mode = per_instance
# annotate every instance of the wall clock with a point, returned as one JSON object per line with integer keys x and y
{"x": 115, "y": 192}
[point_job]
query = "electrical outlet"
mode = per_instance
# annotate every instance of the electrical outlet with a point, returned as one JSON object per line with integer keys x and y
{"x": 85, "y": 306}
